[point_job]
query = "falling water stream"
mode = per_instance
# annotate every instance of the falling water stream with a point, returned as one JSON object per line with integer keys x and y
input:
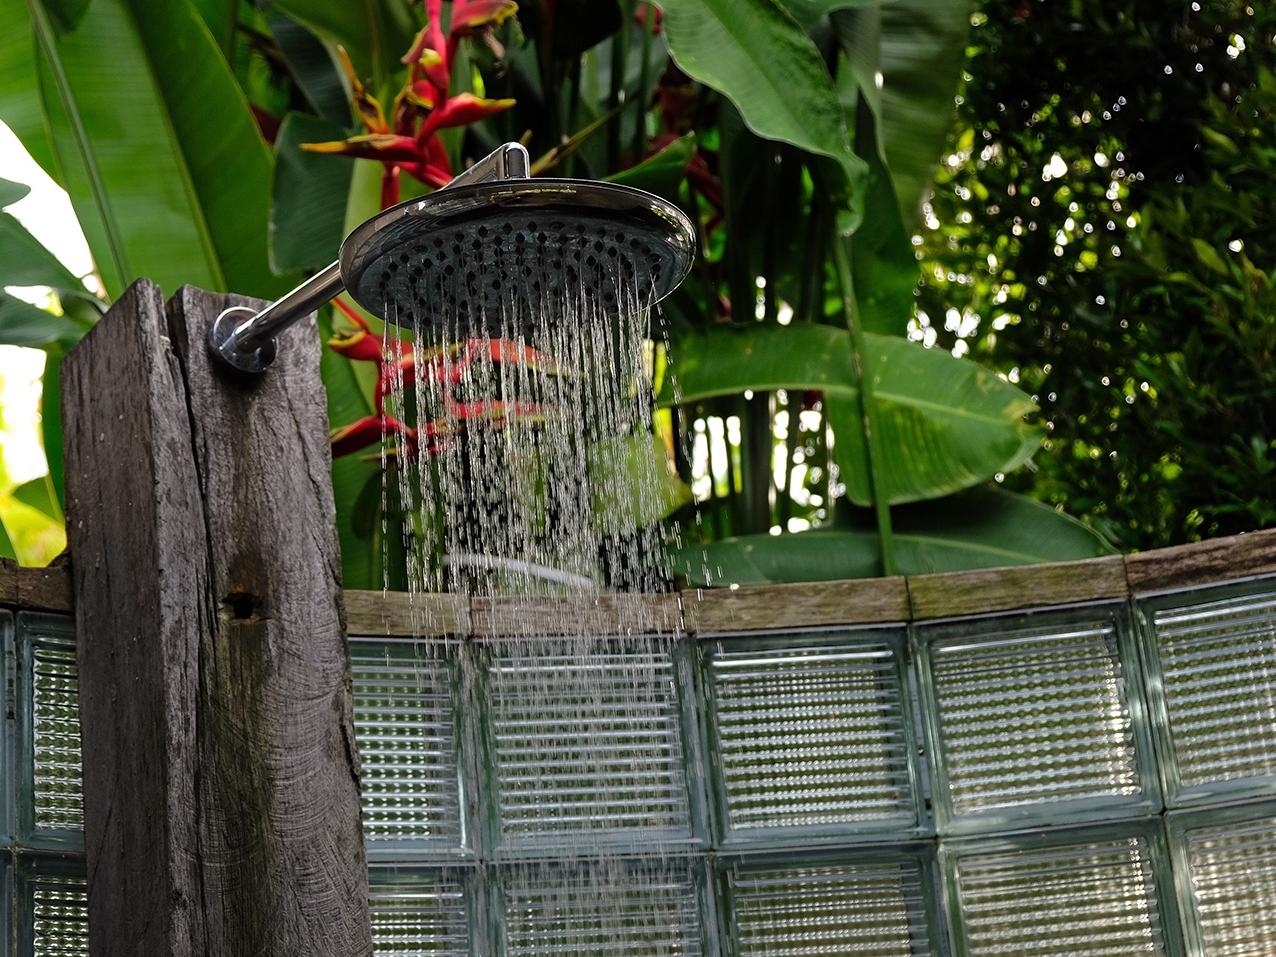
{"x": 536, "y": 481}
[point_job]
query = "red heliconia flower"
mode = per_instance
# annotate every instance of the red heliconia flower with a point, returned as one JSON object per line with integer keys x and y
{"x": 409, "y": 140}
{"x": 357, "y": 435}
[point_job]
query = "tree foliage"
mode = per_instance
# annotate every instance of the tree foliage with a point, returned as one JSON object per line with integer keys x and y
{"x": 1101, "y": 232}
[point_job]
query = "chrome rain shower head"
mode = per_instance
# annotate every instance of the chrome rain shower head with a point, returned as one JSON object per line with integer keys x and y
{"x": 492, "y": 239}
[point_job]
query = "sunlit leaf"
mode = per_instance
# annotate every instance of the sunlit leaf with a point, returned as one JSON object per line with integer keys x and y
{"x": 978, "y": 528}
{"x": 945, "y": 424}
{"x": 158, "y": 149}
{"x": 754, "y": 52}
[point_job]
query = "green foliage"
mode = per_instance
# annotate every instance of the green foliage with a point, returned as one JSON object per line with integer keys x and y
{"x": 978, "y": 528}
{"x": 1102, "y": 233}
{"x": 159, "y": 152}
{"x": 945, "y": 424}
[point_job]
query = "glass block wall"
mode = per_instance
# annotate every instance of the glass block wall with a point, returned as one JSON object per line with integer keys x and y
{"x": 1097, "y": 779}
{"x": 43, "y": 869}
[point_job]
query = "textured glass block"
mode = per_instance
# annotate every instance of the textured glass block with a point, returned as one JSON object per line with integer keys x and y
{"x": 1094, "y": 898}
{"x": 586, "y": 743}
{"x": 830, "y": 910}
{"x": 55, "y": 915}
{"x": 1033, "y": 719}
{"x": 613, "y": 909}
{"x": 52, "y": 741}
{"x": 1218, "y": 677}
{"x": 813, "y": 737}
{"x": 405, "y": 728}
{"x": 1231, "y": 870}
{"x": 425, "y": 916}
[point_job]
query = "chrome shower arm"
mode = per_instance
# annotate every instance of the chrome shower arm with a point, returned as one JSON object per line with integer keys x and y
{"x": 244, "y": 341}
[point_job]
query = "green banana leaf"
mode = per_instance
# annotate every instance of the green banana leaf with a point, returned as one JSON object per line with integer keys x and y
{"x": 808, "y": 12}
{"x": 978, "y": 528}
{"x": 38, "y": 493}
{"x": 312, "y": 64}
{"x": 754, "y": 52}
{"x": 19, "y": 99}
{"x": 883, "y": 264}
{"x": 308, "y": 202}
{"x": 662, "y": 173}
{"x": 24, "y": 261}
{"x": 915, "y": 50}
{"x": 375, "y": 33}
{"x": 156, "y": 145}
{"x": 22, "y": 324}
{"x": 51, "y": 420}
{"x": 945, "y": 424}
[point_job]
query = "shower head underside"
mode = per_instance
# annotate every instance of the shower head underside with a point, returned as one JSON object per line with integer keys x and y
{"x": 492, "y": 250}
{"x": 517, "y": 253}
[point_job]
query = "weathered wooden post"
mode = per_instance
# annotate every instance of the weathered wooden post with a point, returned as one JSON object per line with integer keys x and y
{"x": 221, "y": 778}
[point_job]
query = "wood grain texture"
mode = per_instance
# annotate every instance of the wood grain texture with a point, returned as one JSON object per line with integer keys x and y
{"x": 1027, "y": 586}
{"x": 600, "y": 615}
{"x": 808, "y": 605}
{"x": 221, "y": 789}
{"x": 46, "y": 589}
{"x": 132, "y": 521}
{"x": 8, "y": 581}
{"x": 374, "y": 613}
{"x": 1202, "y": 563}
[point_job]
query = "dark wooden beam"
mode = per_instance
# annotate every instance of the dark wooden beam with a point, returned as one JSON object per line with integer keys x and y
{"x": 221, "y": 777}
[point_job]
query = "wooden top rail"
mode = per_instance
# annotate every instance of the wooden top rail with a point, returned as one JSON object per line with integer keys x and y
{"x": 804, "y": 605}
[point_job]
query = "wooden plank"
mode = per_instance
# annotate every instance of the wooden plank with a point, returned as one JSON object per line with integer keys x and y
{"x": 806, "y": 605}
{"x": 46, "y": 589}
{"x": 1026, "y": 586}
{"x": 374, "y": 613}
{"x": 221, "y": 777}
{"x": 130, "y": 477}
{"x": 285, "y": 869}
{"x": 597, "y": 615}
{"x": 1203, "y": 563}
{"x": 8, "y": 581}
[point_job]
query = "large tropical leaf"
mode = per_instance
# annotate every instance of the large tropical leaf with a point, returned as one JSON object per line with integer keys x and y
{"x": 375, "y": 33}
{"x": 754, "y": 52}
{"x": 22, "y": 324}
{"x": 944, "y": 424}
{"x": 883, "y": 264}
{"x": 908, "y": 57}
{"x": 156, "y": 145}
{"x": 312, "y": 64}
{"x": 808, "y": 12}
{"x": 662, "y": 173}
{"x": 19, "y": 98}
{"x": 308, "y": 202}
{"x": 978, "y": 528}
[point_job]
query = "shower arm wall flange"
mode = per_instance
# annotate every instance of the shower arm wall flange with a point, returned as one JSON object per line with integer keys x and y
{"x": 243, "y": 341}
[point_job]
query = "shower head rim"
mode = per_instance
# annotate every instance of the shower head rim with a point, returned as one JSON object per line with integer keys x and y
{"x": 440, "y": 209}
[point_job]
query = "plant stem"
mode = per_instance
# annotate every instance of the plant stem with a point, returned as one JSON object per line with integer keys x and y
{"x": 885, "y": 536}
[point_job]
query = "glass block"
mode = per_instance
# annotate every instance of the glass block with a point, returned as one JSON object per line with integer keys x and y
{"x": 880, "y": 906}
{"x": 50, "y": 801}
{"x": 586, "y": 744}
{"x": 614, "y": 908}
{"x": 1215, "y": 651}
{"x": 813, "y": 735}
{"x": 405, "y": 727}
{"x": 1035, "y": 719}
{"x": 1095, "y": 893}
{"x": 1226, "y": 863}
{"x": 418, "y": 913}
{"x": 53, "y": 908}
